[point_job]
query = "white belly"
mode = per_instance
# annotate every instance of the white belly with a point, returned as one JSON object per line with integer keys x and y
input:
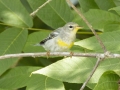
{"x": 52, "y": 46}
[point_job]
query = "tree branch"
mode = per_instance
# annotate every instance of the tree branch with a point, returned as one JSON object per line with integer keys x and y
{"x": 41, "y": 54}
{"x": 94, "y": 69}
{"x": 34, "y": 12}
{"x": 88, "y": 24}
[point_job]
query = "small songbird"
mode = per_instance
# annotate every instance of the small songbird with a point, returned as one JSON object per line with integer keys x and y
{"x": 61, "y": 39}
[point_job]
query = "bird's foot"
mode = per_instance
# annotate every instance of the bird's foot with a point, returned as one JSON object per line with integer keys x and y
{"x": 48, "y": 54}
{"x": 71, "y": 54}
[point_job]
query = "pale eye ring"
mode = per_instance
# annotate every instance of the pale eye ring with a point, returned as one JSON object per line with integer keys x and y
{"x": 70, "y": 26}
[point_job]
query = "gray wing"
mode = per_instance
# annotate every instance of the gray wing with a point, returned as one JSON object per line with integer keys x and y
{"x": 51, "y": 36}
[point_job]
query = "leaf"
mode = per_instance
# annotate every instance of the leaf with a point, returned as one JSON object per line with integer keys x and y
{"x": 67, "y": 70}
{"x": 26, "y": 5}
{"x": 5, "y": 89}
{"x": 117, "y": 9}
{"x": 117, "y": 2}
{"x": 34, "y": 39}
{"x": 106, "y": 5}
{"x": 55, "y": 14}
{"x": 17, "y": 77}
{"x": 117, "y": 72}
{"x": 77, "y": 69}
{"x": 40, "y": 82}
{"x": 108, "y": 81}
{"x": 91, "y": 85}
{"x": 111, "y": 27}
{"x": 109, "y": 39}
{"x": 98, "y": 19}
{"x": 13, "y": 13}
{"x": 86, "y": 5}
{"x": 12, "y": 40}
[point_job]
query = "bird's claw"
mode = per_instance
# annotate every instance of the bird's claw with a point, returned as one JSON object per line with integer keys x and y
{"x": 71, "y": 54}
{"x": 48, "y": 54}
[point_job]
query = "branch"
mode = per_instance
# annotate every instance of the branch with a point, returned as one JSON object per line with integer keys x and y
{"x": 41, "y": 54}
{"x": 34, "y": 12}
{"x": 88, "y": 24}
{"x": 94, "y": 69}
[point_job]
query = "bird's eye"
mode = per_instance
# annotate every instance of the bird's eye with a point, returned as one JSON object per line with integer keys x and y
{"x": 70, "y": 26}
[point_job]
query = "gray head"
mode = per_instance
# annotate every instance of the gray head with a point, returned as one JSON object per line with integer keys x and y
{"x": 71, "y": 27}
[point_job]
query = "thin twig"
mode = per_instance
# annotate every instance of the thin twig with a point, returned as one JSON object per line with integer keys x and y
{"x": 34, "y": 12}
{"x": 94, "y": 69}
{"x": 88, "y": 24}
{"x": 41, "y": 54}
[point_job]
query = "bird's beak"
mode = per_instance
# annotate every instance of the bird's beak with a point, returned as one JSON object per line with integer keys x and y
{"x": 79, "y": 27}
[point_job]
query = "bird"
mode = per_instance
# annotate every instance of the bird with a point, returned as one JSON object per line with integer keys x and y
{"x": 61, "y": 39}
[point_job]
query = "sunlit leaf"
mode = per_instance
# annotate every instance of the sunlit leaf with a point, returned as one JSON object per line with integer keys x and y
{"x": 40, "y": 82}
{"x": 14, "y": 14}
{"x": 11, "y": 41}
{"x": 110, "y": 40}
{"x": 108, "y": 81}
{"x": 77, "y": 70}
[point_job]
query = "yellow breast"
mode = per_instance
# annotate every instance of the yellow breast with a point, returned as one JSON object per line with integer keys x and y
{"x": 62, "y": 43}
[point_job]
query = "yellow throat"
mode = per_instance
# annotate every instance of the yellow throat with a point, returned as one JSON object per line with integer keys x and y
{"x": 64, "y": 44}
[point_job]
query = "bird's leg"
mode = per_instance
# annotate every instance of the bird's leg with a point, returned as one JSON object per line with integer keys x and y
{"x": 71, "y": 54}
{"x": 48, "y": 54}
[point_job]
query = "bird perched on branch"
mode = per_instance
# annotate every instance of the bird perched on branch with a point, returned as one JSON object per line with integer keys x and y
{"x": 61, "y": 39}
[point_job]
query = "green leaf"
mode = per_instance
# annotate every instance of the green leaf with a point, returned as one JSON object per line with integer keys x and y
{"x": 17, "y": 77}
{"x": 34, "y": 39}
{"x": 98, "y": 19}
{"x": 117, "y": 9}
{"x": 13, "y": 13}
{"x": 55, "y": 14}
{"x": 77, "y": 69}
{"x": 106, "y": 5}
{"x": 91, "y": 85}
{"x": 68, "y": 70}
{"x": 117, "y": 2}
{"x": 111, "y": 27}
{"x": 6, "y": 89}
{"x": 40, "y": 82}
{"x": 117, "y": 72}
{"x": 87, "y": 5}
{"x": 109, "y": 39}
{"x": 26, "y": 5}
{"x": 12, "y": 40}
{"x": 108, "y": 81}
